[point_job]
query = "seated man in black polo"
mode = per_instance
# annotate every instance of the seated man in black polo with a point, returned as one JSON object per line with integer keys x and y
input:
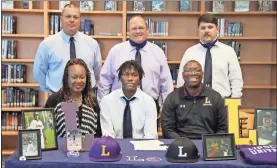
{"x": 193, "y": 109}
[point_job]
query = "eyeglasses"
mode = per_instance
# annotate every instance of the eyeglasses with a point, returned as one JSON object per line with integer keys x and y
{"x": 141, "y": 28}
{"x": 190, "y": 71}
{"x": 74, "y": 17}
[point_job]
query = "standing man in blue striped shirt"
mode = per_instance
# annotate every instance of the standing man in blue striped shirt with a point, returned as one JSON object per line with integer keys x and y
{"x": 157, "y": 80}
{"x": 54, "y": 52}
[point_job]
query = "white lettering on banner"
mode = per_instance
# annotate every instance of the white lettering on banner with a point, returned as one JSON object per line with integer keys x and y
{"x": 263, "y": 149}
{"x": 181, "y": 151}
{"x": 134, "y": 158}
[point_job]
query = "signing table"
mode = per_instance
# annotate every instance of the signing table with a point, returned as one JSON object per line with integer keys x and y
{"x": 58, "y": 159}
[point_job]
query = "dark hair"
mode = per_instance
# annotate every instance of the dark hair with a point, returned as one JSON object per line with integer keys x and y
{"x": 194, "y": 62}
{"x": 87, "y": 92}
{"x": 208, "y": 18}
{"x": 128, "y": 65}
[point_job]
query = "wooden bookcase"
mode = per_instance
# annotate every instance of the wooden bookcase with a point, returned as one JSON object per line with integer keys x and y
{"x": 258, "y": 50}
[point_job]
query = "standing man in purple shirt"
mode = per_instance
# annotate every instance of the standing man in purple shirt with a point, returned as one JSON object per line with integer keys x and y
{"x": 157, "y": 80}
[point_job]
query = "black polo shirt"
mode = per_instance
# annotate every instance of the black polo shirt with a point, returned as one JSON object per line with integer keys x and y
{"x": 187, "y": 116}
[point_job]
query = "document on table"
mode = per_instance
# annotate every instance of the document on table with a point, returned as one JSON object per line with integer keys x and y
{"x": 148, "y": 145}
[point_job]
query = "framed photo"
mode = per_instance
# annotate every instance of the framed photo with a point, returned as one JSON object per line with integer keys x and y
{"x": 73, "y": 140}
{"x": 42, "y": 119}
{"x": 219, "y": 147}
{"x": 87, "y": 5}
{"x": 265, "y": 123}
{"x": 29, "y": 144}
{"x": 110, "y": 5}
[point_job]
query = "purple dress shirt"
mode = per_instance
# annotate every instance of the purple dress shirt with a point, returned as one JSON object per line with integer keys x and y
{"x": 157, "y": 80}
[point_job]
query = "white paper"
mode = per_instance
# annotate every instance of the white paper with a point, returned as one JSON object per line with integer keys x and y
{"x": 148, "y": 145}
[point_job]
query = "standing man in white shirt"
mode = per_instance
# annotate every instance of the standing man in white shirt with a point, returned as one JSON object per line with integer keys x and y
{"x": 37, "y": 124}
{"x": 222, "y": 71}
{"x": 128, "y": 112}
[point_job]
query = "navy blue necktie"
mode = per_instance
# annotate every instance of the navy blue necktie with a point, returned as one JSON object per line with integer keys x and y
{"x": 138, "y": 56}
{"x": 208, "y": 71}
{"x": 138, "y": 60}
{"x": 127, "y": 120}
{"x": 72, "y": 48}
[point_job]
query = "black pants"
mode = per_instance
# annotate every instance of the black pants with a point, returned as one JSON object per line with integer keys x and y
{"x": 158, "y": 112}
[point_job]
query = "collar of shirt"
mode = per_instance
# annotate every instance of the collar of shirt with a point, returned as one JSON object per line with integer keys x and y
{"x": 184, "y": 93}
{"x": 187, "y": 94}
{"x": 136, "y": 95}
{"x": 67, "y": 37}
{"x": 134, "y": 48}
{"x": 215, "y": 45}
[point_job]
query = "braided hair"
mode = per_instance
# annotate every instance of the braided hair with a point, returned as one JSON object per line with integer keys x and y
{"x": 87, "y": 92}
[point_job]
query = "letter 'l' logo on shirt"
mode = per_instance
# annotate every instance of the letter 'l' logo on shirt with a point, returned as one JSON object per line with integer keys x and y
{"x": 181, "y": 152}
{"x": 104, "y": 151}
{"x": 207, "y": 102}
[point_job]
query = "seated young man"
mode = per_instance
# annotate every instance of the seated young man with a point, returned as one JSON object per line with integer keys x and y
{"x": 128, "y": 112}
{"x": 193, "y": 109}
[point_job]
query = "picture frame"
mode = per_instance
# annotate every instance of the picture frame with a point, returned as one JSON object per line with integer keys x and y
{"x": 219, "y": 147}
{"x": 87, "y": 5}
{"x": 29, "y": 144}
{"x": 44, "y": 120}
{"x": 265, "y": 124}
{"x": 110, "y": 5}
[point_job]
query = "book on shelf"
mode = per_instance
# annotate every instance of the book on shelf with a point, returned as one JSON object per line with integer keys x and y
{"x": 7, "y": 4}
{"x": 185, "y": 5}
{"x": 92, "y": 29}
{"x": 82, "y": 25}
{"x": 162, "y": 45}
{"x": 230, "y": 29}
{"x": 25, "y": 4}
{"x": 87, "y": 30}
{"x": 174, "y": 74}
{"x": 19, "y": 97}
{"x": 55, "y": 24}
{"x": 158, "y": 6}
{"x": 11, "y": 121}
{"x": 86, "y": 27}
{"x": 86, "y": 5}
{"x": 9, "y": 49}
{"x": 265, "y": 6}
{"x": 241, "y": 6}
{"x": 110, "y": 6}
{"x": 139, "y": 6}
{"x": 109, "y": 34}
{"x": 9, "y": 24}
{"x": 157, "y": 28}
{"x": 218, "y": 6}
{"x": 13, "y": 73}
{"x": 236, "y": 46}
{"x": 62, "y": 4}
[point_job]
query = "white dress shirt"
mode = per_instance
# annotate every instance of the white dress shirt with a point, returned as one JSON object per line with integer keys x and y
{"x": 227, "y": 76}
{"x": 143, "y": 112}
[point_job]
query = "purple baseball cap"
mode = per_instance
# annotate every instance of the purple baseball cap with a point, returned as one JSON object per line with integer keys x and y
{"x": 105, "y": 149}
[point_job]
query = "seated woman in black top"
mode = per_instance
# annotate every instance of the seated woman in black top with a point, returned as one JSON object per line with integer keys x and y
{"x": 76, "y": 89}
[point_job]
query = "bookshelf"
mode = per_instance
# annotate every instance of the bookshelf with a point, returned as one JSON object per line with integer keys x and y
{"x": 258, "y": 52}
